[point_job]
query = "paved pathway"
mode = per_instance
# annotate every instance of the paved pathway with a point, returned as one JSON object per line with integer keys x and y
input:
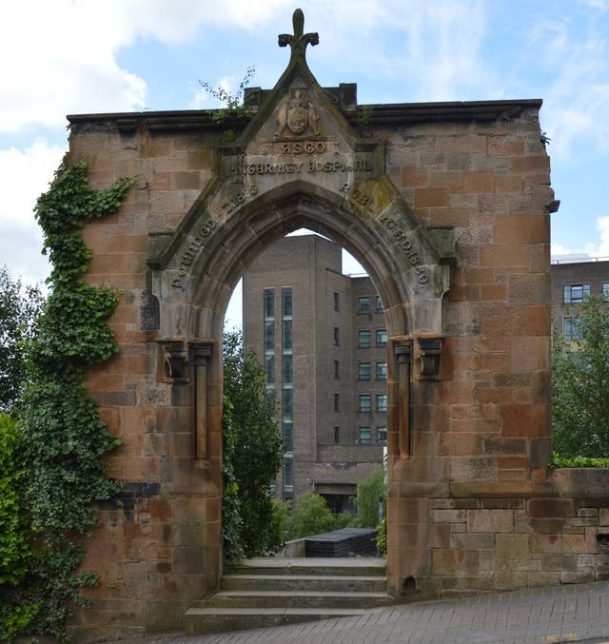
{"x": 578, "y": 613}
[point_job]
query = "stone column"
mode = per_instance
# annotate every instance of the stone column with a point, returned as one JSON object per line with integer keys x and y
{"x": 201, "y": 354}
{"x": 403, "y": 359}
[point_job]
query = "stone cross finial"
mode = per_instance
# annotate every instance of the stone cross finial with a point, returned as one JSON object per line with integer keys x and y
{"x": 299, "y": 41}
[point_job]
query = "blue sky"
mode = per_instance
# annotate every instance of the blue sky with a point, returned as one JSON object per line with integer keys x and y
{"x": 75, "y": 56}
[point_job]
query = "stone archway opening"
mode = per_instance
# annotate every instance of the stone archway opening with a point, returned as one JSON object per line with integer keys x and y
{"x": 322, "y": 339}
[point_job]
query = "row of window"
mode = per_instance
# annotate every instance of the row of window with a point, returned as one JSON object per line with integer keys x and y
{"x": 364, "y": 304}
{"x": 364, "y": 371}
{"x": 364, "y": 402}
{"x": 287, "y": 374}
{"x": 578, "y": 293}
{"x": 367, "y": 436}
{"x": 364, "y": 338}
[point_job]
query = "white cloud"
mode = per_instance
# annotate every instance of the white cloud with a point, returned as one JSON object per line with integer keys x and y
{"x": 577, "y": 100}
{"x": 60, "y": 56}
{"x": 600, "y": 249}
{"x": 25, "y": 174}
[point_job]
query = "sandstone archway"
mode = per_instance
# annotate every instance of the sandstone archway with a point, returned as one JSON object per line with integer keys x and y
{"x": 300, "y": 164}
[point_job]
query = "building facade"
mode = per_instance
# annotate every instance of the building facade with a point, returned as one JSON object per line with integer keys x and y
{"x": 322, "y": 338}
{"x": 575, "y": 278}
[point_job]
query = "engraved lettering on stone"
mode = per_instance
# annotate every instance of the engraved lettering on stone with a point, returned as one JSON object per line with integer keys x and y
{"x": 191, "y": 252}
{"x": 304, "y": 147}
{"x": 243, "y": 167}
{"x": 237, "y": 200}
{"x": 406, "y": 244}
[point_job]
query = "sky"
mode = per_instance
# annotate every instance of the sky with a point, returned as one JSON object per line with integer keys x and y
{"x": 81, "y": 56}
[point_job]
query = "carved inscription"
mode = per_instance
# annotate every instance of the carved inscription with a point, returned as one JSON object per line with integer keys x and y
{"x": 406, "y": 244}
{"x": 304, "y": 147}
{"x": 242, "y": 167}
{"x": 238, "y": 199}
{"x": 191, "y": 252}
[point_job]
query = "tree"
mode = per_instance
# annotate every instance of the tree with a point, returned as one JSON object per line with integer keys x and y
{"x": 580, "y": 386}
{"x": 19, "y": 308}
{"x": 252, "y": 454}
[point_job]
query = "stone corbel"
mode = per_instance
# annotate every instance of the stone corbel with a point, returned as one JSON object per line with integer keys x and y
{"x": 430, "y": 355}
{"x": 175, "y": 358}
{"x": 201, "y": 355}
{"x": 403, "y": 359}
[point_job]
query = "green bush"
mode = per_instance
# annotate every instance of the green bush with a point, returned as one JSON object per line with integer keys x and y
{"x": 381, "y": 536}
{"x": 252, "y": 455}
{"x": 16, "y": 552}
{"x": 370, "y": 496}
{"x": 580, "y": 386}
{"x": 578, "y": 461}
{"x": 311, "y": 515}
{"x": 57, "y": 461}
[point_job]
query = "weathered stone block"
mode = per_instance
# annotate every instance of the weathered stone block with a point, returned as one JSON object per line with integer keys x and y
{"x": 492, "y": 521}
{"x": 512, "y": 546}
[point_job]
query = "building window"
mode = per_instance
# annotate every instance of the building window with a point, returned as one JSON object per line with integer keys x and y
{"x": 575, "y": 293}
{"x": 288, "y": 477}
{"x": 606, "y": 290}
{"x": 336, "y": 370}
{"x": 269, "y": 303}
{"x": 571, "y": 328}
{"x": 337, "y": 434}
{"x": 381, "y": 402}
{"x": 365, "y": 435}
{"x": 336, "y": 301}
{"x": 288, "y": 341}
{"x": 269, "y": 368}
{"x": 381, "y": 371}
{"x": 381, "y": 435}
{"x": 287, "y": 303}
{"x": 287, "y": 404}
{"x": 363, "y": 339}
{"x": 363, "y": 304}
{"x": 288, "y": 435}
{"x": 269, "y": 336}
{"x": 364, "y": 402}
{"x": 379, "y": 305}
{"x": 287, "y": 369}
{"x": 336, "y": 402}
{"x": 336, "y": 337}
{"x": 381, "y": 338}
{"x": 363, "y": 371}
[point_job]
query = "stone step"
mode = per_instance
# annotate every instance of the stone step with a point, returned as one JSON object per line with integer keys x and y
{"x": 366, "y": 566}
{"x": 323, "y": 583}
{"x": 295, "y": 599}
{"x": 214, "y": 620}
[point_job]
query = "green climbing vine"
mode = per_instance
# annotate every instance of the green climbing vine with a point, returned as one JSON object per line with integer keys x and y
{"x": 61, "y": 439}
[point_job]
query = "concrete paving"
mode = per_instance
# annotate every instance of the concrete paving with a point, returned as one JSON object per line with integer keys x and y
{"x": 577, "y": 613}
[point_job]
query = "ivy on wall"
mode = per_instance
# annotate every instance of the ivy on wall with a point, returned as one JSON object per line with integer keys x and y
{"x": 62, "y": 438}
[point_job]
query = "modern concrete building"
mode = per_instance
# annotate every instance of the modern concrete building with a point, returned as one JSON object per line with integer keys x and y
{"x": 323, "y": 340}
{"x": 574, "y": 278}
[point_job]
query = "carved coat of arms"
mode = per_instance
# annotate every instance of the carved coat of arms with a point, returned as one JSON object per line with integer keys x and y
{"x": 297, "y": 116}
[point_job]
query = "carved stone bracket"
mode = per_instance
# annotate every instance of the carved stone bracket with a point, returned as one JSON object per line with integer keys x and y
{"x": 176, "y": 364}
{"x": 430, "y": 355}
{"x": 403, "y": 359}
{"x": 201, "y": 355}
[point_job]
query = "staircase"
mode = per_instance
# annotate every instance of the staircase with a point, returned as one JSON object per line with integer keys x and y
{"x": 268, "y": 592}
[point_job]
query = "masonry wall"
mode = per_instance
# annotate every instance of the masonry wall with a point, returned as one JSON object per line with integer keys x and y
{"x": 475, "y": 507}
